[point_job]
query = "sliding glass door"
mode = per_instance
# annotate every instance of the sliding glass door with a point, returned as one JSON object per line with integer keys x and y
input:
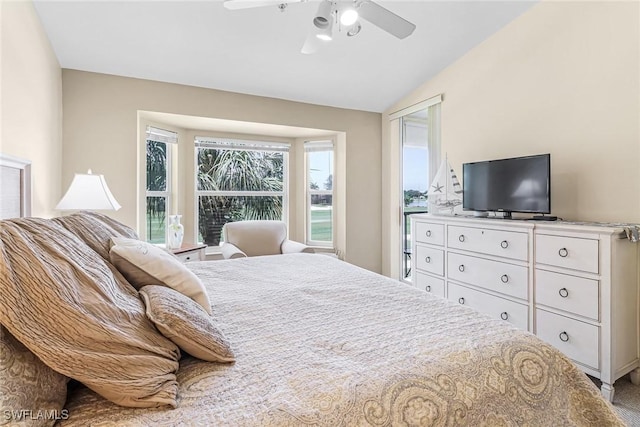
{"x": 420, "y": 144}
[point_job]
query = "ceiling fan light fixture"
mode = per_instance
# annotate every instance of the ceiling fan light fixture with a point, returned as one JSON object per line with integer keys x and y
{"x": 322, "y": 19}
{"x": 325, "y": 34}
{"x": 354, "y": 30}
{"x": 349, "y": 16}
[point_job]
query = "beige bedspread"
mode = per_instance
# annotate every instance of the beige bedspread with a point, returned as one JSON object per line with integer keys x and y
{"x": 320, "y": 342}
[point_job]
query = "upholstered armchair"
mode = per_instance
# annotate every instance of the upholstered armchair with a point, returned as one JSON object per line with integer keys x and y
{"x": 255, "y": 238}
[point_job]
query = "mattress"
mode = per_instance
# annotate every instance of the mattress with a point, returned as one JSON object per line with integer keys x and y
{"x": 321, "y": 342}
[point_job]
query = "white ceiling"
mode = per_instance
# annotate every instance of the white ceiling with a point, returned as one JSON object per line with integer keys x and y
{"x": 257, "y": 51}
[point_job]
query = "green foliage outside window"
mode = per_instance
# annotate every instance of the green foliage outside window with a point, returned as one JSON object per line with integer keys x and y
{"x": 237, "y": 170}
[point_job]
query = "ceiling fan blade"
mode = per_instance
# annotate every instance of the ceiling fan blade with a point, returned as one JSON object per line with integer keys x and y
{"x": 312, "y": 43}
{"x": 247, "y": 4}
{"x": 386, "y": 20}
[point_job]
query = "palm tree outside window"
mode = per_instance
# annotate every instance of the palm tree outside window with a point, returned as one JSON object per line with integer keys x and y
{"x": 159, "y": 184}
{"x": 238, "y": 180}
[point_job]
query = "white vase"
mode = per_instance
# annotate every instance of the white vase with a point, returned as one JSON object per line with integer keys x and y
{"x": 175, "y": 232}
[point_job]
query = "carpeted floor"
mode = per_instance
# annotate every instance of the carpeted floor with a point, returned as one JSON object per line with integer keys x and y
{"x": 627, "y": 400}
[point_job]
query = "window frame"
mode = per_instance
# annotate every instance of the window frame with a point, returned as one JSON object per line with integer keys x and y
{"x": 168, "y": 192}
{"x": 432, "y": 107}
{"x": 240, "y": 145}
{"x": 310, "y": 147}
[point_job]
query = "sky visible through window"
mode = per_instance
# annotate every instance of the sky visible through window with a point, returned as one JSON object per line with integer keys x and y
{"x": 415, "y": 166}
{"x": 320, "y": 168}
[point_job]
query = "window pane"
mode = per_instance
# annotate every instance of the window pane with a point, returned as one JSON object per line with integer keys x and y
{"x": 235, "y": 170}
{"x": 321, "y": 218}
{"x": 415, "y": 176}
{"x": 320, "y": 170}
{"x": 215, "y": 211}
{"x": 415, "y": 162}
{"x": 156, "y": 166}
{"x": 156, "y": 214}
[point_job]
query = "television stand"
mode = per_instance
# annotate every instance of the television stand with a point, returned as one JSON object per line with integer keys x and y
{"x": 544, "y": 218}
{"x": 503, "y": 215}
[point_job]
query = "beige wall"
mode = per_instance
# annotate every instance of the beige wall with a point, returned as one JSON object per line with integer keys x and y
{"x": 564, "y": 78}
{"x": 101, "y": 132}
{"x": 31, "y": 102}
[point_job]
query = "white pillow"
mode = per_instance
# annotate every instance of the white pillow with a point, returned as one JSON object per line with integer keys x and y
{"x": 142, "y": 264}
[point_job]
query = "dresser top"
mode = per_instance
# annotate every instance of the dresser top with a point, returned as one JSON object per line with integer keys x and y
{"x": 592, "y": 227}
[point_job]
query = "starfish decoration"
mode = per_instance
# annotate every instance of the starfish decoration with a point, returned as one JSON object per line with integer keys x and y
{"x": 437, "y": 188}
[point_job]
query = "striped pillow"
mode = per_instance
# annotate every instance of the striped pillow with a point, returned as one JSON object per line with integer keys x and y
{"x": 96, "y": 230}
{"x": 61, "y": 300}
{"x": 185, "y": 323}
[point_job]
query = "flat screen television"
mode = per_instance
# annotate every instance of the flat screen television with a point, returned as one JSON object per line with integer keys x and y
{"x": 518, "y": 184}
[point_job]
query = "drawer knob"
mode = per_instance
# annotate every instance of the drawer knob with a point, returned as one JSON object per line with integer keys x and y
{"x": 504, "y": 278}
{"x": 461, "y": 237}
{"x": 504, "y": 244}
{"x": 563, "y": 252}
{"x": 428, "y": 233}
{"x": 188, "y": 258}
{"x": 564, "y": 292}
{"x": 461, "y": 268}
{"x": 564, "y": 336}
{"x": 461, "y": 300}
{"x": 504, "y": 315}
{"x": 427, "y": 259}
{"x": 427, "y": 288}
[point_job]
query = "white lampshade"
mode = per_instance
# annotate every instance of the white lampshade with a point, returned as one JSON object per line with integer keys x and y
{"x": 88, "y": 192}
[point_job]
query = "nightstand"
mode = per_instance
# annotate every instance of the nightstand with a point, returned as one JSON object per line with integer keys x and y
{"x": 188, "y": 253}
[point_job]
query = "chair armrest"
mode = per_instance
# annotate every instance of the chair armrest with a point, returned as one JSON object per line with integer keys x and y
{"x": 291, "y": 247}
{"x": 231, "y": 251}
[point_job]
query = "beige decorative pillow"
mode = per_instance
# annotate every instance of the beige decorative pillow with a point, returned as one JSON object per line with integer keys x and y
{"x": 60, "y": 299}
{"x": 28, "y": 387}
{"x": 145, "y": 264}
{"x": 186, "y": 324}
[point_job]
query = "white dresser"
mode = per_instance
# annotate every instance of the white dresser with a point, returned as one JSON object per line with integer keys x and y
{"x": 573, "y": 285}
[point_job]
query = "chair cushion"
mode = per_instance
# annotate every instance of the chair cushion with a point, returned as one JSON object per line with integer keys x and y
{"x": 256, "y": 238}
{"x": 145, "y": 264}
{"x": 59, "y": 298}
{"x": 186, "y": 324}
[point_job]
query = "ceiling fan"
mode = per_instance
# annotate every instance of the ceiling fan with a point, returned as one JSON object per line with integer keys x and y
{"x": 344, "y": 13}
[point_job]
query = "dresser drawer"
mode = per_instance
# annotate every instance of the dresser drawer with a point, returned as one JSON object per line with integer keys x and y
{"x": 430, "y": 284}
{"x": 498, "y": 276}
{"x": 568, "y": 293}
{"x": 430, "y": 260}
{"x": 513, "y": 312}
{"x": 508, "y": 244}
{"x": 427, "y": 232}
{"x": 576, "y": 339}
{"x": 567, "y": 252}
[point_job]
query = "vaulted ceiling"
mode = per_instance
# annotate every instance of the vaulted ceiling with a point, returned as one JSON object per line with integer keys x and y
{"x": 257, "y": 51}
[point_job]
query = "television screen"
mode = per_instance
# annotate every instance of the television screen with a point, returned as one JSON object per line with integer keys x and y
{"x": 519, "y": 184}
